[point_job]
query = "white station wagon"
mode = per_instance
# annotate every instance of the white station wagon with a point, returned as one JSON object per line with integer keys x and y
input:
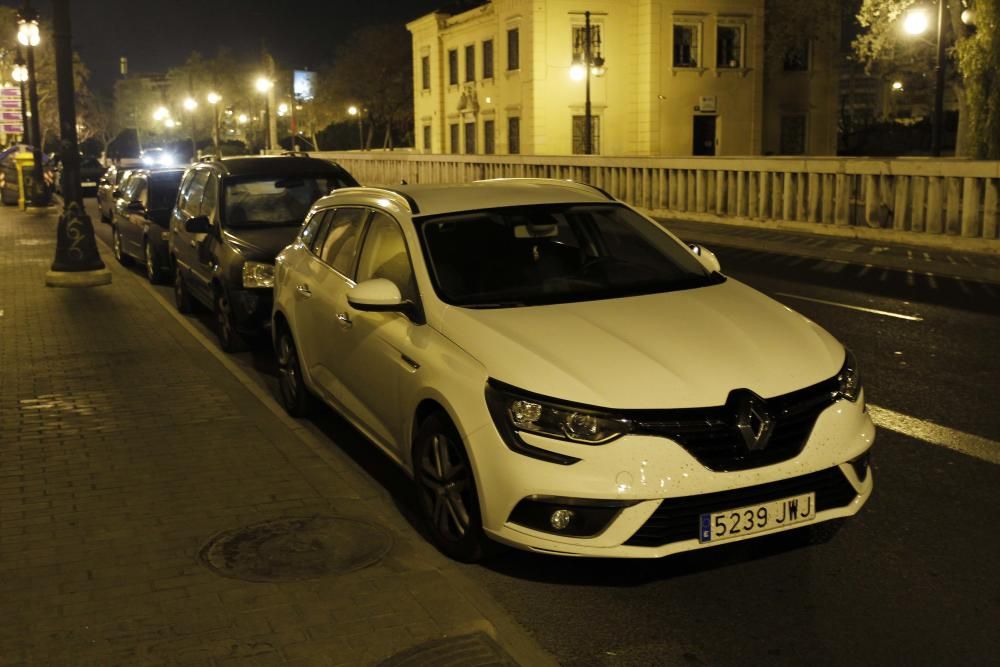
{"x": 559, "y": 373}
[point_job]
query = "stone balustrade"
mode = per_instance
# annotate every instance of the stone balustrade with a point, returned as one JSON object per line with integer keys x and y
{"x": 945, "y": 200}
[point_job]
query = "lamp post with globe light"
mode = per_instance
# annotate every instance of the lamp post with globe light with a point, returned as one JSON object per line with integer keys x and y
{"x": 916, "y": 22}
{"x": 356, "y": 111}
{"x": 29, "y": 37}
{"x": 20, "y": 74}
{"x": 590, "y": 64}
{"x": 214, "y": 99}
{"x": 191, "y": 105}
{"x": 264, "y": 85}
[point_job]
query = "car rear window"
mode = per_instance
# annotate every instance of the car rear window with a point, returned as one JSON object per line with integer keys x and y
{"x": 163, "y": 190}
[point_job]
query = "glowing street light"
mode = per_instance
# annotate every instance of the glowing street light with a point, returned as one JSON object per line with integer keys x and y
{"x": 29, "y": 36}
{"x": 282, "y": 109}
{"x": 20, "y": 72}
{"x": 916, "y": 21}
{"x": 577, "y": 71}
{"x": 160, "y": 113}
{"x": 242, "y": 119}
{"x": 263, "y": 84}
{"x": 190, "y": 104}
{"x": 213, "y": 98}
{"x": 897, "y": 86}
{"x": 27, "y": 29}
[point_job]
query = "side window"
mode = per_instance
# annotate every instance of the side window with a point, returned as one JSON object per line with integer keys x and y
{"x": 384, "y": 256}
{"x": 340, "y": 246}
{"x": 210, "y": 196}
{"x": 308, "y": 232}
{"x": 190, "y": 199}
{"x": 137, "y": 190}
{"x": 322, "y": 227}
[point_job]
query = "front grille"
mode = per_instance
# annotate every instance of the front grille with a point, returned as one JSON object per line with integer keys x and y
{"x": 678, "y": 519}
{"x": 711, "y": 436}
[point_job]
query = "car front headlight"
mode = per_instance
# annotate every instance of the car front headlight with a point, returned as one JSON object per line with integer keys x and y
{"x": 531, "y": 414}
{"x": 849, "y": 378}
{"x": 258, "y": 274}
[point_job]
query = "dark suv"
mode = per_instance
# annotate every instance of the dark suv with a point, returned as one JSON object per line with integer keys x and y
{"x": 233, "y": 216}
{"x": 140, "y": 219}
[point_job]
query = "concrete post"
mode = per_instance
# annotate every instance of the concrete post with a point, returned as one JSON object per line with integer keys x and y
{"x": 901, "y": 202}
{"x": 919, "y": 201}
{"x": 991, "y": 208}
{"x": 972, "y": 194}
{"x": 934, "y": 204}
{"x": 953, "y": 211}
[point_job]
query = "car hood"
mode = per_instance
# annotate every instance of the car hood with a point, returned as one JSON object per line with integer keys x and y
{"x": 262, "y": 244}
{"x": 679, "y": 349}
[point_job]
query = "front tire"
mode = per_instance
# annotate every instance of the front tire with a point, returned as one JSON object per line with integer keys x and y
{"x": 230, "y": 339}
{"x": 447, "y": 492}
{"x": 295, "y": 396}
{"x": 182, "y": 298}
{"x": 153, "y": 268}
{"x": 116, "y": 248}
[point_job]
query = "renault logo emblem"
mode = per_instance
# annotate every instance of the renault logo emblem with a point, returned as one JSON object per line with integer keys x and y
{"x": 753, "y": 421}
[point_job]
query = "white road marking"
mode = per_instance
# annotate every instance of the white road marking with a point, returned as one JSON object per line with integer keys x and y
{"x": 935, "y": 434}
{"x": 872, "y": 311}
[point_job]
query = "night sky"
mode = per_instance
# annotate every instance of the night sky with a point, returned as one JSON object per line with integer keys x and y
{"x": 156, "y": 35}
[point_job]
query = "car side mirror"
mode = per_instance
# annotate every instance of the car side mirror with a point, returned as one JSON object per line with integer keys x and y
{"x": 706, "y": 257}
{"x": 135, "y": 207}
{"x": 380, "y": 295}
{"x": 198, "y": 225}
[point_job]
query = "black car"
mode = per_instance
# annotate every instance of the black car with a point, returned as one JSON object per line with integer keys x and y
{"x": 140, "y": 221}
{"x": 91, "y": 171}
{"x": 233, "y": 216}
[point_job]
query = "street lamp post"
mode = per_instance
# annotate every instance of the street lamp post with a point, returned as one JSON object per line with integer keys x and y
{"x": 28, "y": 36}
{"x": 592, "y": 64}
{"x": 264, "y": 86}
{"x": 20, "y": 74}
{"x": 214, "y": 99}
{"x": 916, "y": 22}
{"x": 355, "y": 111}
{"x": 190, "y": 105}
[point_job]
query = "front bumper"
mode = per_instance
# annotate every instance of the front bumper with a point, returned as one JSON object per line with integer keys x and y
{"x": 252, "y": 309}
{"x": 661, "y": 489}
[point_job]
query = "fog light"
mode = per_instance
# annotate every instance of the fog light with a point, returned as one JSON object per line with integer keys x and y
{"x": 560, "y": 519}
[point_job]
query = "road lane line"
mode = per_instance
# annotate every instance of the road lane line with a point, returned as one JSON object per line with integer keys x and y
{"x": 872, "y": 311}
{"x": 935, "y": 434}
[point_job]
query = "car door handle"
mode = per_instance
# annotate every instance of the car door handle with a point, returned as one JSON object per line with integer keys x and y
{"x": 344, "y": 320}
{"x": 303, "y": 290}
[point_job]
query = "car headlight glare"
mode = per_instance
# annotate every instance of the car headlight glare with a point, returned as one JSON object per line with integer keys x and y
{"x": 849, "y": 378}
{"x": 258, "y": 274}
{"x": 565, "y": 423}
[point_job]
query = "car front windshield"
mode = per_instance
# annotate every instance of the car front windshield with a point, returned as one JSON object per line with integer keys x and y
{"x": 533, "y": 255}
{"x": 275, "y": 201}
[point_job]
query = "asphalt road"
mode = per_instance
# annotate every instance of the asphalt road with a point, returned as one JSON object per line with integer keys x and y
{"x": 911, "y": 580}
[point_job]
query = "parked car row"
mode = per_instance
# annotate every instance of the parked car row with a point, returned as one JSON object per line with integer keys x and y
{"x": 555, "y": 370}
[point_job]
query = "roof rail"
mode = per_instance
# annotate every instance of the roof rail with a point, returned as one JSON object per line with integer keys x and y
{"x": 566, "y": 182}
{"x": 403, "y": 198}
{"x": 295, "y": 153}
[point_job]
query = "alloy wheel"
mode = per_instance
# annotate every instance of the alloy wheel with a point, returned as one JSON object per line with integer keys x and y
{"x": 229, "y": 337}
{"x": 182, "y": 300}
{"x": 295, "y": 396}
{"x": 446, "y": 483}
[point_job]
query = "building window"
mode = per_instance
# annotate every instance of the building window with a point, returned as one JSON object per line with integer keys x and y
{"x": 470, "y": 63}
{"x": 452, "y": 67}
{"x": 793, "y": 134}
{"x": 729, "y": 46}
{"x": 797, "y": 57}
{"x": 425, "y": 72}
{"x": 427, "y": 138}
{"x": 453, "y": 135}
{"x": 580, "y": 41}
{"x": 580, "y": 131}
{"x": 489, "y": 137}
{"x": 686, "y": 45}
{"x": 488, "y": 59}
{"x": 514, "y": 135}
{"x": 513, "y": 50}
{"x": 470, "y": 138}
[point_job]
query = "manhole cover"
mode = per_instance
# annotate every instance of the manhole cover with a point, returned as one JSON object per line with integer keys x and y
{"x": 296, "y": 548}
{"x": 475, "y": 650}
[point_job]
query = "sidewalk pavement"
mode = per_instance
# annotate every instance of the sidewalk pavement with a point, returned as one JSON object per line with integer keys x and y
{"x": 901, "y": 255}
{"x": 126, "y": 445}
